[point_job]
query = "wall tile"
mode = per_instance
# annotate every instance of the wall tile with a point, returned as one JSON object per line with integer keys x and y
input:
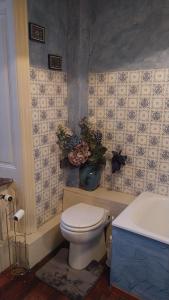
{"x": 48, "y": 103}
{"x": 132, "y": 110}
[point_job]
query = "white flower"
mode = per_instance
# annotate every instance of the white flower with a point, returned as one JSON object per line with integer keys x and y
{"x": 65, "y": 130}
{"x": 68, "y": 131}
{"x": 92, "y": 120}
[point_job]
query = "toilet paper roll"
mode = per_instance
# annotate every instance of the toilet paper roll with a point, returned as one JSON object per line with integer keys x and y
{"x": 19, "y": 215}
{"x": 8, "y": 197}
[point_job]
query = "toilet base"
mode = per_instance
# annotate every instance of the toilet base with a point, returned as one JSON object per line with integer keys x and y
{"x": 80, "y": 255}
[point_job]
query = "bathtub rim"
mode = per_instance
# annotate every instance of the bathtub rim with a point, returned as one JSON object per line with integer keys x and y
{"x": 124, "y": 221}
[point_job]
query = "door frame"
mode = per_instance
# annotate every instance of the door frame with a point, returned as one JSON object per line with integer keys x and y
{"x": 17, "y": 21}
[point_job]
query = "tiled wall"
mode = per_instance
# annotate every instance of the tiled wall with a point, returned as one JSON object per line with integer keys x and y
{"x": 132, "y": 110}
{"x": 49, "y": 108}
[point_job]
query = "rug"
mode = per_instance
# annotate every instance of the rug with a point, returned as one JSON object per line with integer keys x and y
{"x": 74, "y": 284}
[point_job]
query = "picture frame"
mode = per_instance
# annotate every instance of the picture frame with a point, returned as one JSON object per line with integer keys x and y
{"x": 55, "y": 62}
{"x": 36, "y": 33}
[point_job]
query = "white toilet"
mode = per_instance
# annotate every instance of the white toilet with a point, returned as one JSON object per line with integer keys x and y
{"x": 83, "y": 226}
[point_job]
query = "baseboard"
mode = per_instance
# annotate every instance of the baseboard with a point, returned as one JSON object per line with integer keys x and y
{"x": 44, "y": 241}
{"x": 4, "y": 256}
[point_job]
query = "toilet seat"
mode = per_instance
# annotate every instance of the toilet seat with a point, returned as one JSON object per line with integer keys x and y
{"x": 83, "y": 217}
{"x": 84, "y": 229}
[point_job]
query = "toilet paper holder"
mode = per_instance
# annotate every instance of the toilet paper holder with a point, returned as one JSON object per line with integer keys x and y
{"x": 16, "y": 237}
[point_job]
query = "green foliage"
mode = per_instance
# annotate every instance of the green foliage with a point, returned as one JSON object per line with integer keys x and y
{"x": 98, "y": 155}
{"x": 94, "y": 140}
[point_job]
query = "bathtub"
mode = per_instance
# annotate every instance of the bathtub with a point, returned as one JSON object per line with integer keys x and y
{"x": 147, "y": 215}
{"x": 140, "y": 248}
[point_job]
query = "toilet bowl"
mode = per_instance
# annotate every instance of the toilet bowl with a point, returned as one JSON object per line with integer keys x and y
{"x": 83, "y": 226}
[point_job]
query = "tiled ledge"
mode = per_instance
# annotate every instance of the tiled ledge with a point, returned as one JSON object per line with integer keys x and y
{"x": 114, "y": 201}
{"x": 105, "y": 194}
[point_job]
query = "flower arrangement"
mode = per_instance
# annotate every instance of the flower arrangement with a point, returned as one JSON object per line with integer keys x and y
{"x": 78, "y": 150}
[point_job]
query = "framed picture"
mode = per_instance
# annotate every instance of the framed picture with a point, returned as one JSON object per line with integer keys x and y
{"x": 54, "y": 62}
{"x": 36, "y": 33}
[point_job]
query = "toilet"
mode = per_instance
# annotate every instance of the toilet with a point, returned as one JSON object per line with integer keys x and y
{"x": 83, "y": 226}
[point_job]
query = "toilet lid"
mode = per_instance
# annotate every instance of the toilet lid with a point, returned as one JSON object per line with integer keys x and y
{"x": 82, "y": 215}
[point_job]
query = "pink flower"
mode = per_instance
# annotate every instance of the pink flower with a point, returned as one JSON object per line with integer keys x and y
{"x": 79, "y": 155}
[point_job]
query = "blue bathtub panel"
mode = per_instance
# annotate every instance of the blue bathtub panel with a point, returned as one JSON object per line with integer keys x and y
{"x": 140, "y": 265}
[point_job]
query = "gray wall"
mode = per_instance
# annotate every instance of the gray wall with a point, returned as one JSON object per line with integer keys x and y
{"x": 51, "y": 14}
{"x": 111, "y": 35}
{"x": 129, "y": 34}
{"x": 78, "y": 59}
{"x": 66, "y": 22}
{"x": 77, "y": 67}
{"x": 100, "y": 36}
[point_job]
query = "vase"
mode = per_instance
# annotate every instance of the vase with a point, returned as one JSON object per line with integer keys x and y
{"x": 89, "y": 177}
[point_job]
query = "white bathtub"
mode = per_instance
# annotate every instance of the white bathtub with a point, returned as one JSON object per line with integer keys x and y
{"x": 147, "y": 215}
